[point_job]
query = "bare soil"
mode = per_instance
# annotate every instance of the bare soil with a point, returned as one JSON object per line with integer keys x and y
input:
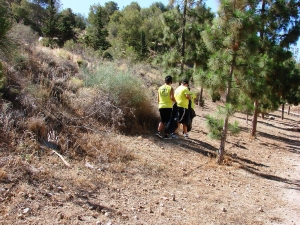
{"x": 165, "y": 181}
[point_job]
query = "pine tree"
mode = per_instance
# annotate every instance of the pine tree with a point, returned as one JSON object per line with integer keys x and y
{"x": 279, "y": 27}
{"x": 230, "y": 41}
{"x": 182, "y": 32}
{"x": 6, "y": 43}
{"x": 50, "y": 27}
{"x": 97, "y": 31}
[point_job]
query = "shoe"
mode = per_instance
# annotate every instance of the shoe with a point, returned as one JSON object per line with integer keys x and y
{"x": 167, "y": 137}
{"x": 158, "y": 134}
{"x": 186, "y": 136}
{"x": 173, "y": 135}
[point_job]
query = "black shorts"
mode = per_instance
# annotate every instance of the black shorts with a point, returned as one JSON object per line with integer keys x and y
{"x": 182, "y": 115}
{"x": 165, "y": 114}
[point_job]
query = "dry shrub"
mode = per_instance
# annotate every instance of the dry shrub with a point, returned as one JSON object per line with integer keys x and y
{"x": 74, "y": 84}
{"x": 82, "y": 100}
{"x": 38, "y": 127}
{"x": 24, "y": 35}
{"x": 127, "y": 103}
{"x": 100, "y": 149}
{"x": 106, "y": 112}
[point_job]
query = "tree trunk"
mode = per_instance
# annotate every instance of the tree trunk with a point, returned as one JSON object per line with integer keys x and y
{"x": 282, "y": 111}
{"x": 200, "y": 99}
{"x": 221, "y": 154}
{"x": 247, "y": 118}
{"x": 254, "y": 120}
{"x": 289, "y": 109}
{"x": 183, "y": 38}
{"x": 223, "y": 140}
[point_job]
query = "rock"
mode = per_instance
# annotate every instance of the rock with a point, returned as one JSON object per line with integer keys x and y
{"x": 173, "y": 197}
{"x": 89, "y": 165}
{"x": 27, "y": 210}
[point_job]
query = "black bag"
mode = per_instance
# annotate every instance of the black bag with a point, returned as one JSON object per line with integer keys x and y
{"x": 172, "y": 124}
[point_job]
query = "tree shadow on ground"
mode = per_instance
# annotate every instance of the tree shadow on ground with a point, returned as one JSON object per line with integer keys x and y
{"x": 272, "y": 177}
{"x": 294, "y": 145}
{"x": 196, "y": 146}
{"x": 248, "y": 165}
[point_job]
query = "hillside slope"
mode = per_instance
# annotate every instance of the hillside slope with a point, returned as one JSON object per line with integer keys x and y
{"x": 64, "y": 158}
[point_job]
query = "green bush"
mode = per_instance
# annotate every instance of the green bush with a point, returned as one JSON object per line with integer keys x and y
{"x": 21, "y": 62}
{"x": 122, "y": 88}
{"x": 215, "y": 126}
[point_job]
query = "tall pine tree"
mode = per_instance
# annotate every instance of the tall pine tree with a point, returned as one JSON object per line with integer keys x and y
{"x": 230, "y": 39}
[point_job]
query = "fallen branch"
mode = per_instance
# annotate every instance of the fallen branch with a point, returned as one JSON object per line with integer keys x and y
{"x": 62, "y": 158}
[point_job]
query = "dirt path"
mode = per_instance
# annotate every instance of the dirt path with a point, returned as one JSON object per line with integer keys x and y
{"x": 167, "y": 181}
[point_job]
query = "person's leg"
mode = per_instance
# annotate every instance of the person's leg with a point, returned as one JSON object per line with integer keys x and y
{"x": 184, "y": 128}
{"x": 160, "y": 127}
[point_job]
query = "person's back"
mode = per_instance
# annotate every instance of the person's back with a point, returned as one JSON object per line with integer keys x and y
{"x": 182, "y": 97}
{"x": 165, "y": 98}
{"x": 164, "y": 93}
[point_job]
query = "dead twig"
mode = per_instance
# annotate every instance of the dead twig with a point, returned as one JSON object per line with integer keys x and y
{"x": 62, "y": 158}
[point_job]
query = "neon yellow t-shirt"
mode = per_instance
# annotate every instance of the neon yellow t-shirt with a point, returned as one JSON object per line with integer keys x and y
{"x": 180, "y": 96}
{"x": 193, "y": 96}
{"x": 164, "y": 93}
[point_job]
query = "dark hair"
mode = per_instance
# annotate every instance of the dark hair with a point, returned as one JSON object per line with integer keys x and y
{"x": 168, "y": 79}
{"x": 185, "y": 82}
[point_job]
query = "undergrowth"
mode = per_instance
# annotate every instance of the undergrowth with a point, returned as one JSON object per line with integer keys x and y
{"x": 51, "y": 102}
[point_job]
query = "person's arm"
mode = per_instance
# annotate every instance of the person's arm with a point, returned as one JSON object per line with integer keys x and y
{"x": 172, "y": 95}
{"x": 157, "y": 97}
{"x": 188, "y": 96}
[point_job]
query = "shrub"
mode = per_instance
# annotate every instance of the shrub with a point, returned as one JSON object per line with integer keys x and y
{"x": 74, "y": 84}
{"x": 127, "y": 94}
{"x": 38, "y": 127}
{"x": 21, "y": 62}
{"x": 215, "y": 126}
{"x": 24, "y": 35}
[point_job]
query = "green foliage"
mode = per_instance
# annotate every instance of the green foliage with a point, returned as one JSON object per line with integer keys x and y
{"x": 51, "y": 43}
{"x": 6, "y": 43}
{"x": 182, "y": 33}
{"x": 66, "y": 22}
{"x": 21, "y": 62}
{"x": 1, "y": 76}
{"x": 97, "y": 32}
{"x": 123, "y": 89}
{"x": 50, "y": 26}
{"x": 216, "y": 124}
{"x": 31, "y": 13}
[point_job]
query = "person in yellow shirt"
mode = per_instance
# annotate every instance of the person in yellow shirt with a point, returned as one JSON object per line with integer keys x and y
{"x": 192, "y": 106}
{"x": 182, "y": 97}
{"x": 165, "y": 98}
